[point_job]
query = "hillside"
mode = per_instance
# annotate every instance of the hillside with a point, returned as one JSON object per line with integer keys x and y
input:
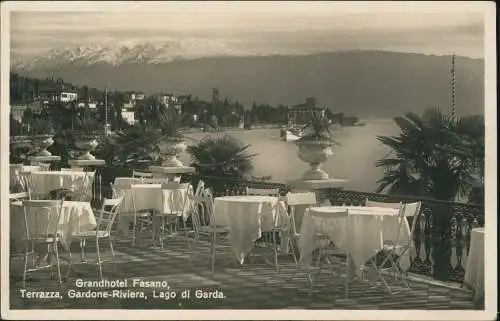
{"x": 364, "y": 83}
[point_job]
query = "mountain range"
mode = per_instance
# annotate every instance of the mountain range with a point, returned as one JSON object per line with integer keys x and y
{"x": 363, "y": 83}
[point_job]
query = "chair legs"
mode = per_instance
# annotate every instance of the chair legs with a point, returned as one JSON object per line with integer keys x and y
{"x": 26, "y": 257}
{"x": 56, "y": 251}
{"x": 112, "y": 251}
{"x": 347, "y": 276}
{"x": 82, "y": 248}
{"x": 99, "y": 263}
{"x": 162, "y": 231}
{"x": 52, "y": 248}
{"x": 214, "y": 247}
{"x": 134, "y": 230}
{"x": 275, "y": 247}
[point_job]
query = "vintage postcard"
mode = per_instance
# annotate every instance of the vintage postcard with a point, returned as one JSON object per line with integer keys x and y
{"x": 295, "y": 160}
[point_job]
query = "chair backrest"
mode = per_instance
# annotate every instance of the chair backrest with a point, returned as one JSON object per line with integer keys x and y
{"x": 412, "y": 210}
{"x": 199, "y": 188}
{"x": 141, "y": 174}
{"x": 173, "y": 193}
{"x": 82, "y": 186}
{"x": 208, "y": 201}
{"x": 26, "y": 182}
{"x": 114, "y": 191}
{"x": 72, "y": 169}
{"x": 383, "y": 204}
{"x": 200, "y": 215}
{"x": 108, "y": 213}
{"x": 201, "y": 208}
{"x": 41, "y": 218}
{"x": 296, "y": 199}
{"x": 263, "y": 191}
{"x": 407, "y": 210}
{"x": 16, "y": 197}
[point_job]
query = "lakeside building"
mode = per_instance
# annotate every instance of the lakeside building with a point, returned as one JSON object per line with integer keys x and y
{"x": 58, "y": 94}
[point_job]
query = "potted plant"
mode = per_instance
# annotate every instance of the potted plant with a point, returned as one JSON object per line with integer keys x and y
{"x": 315, "y": 146}
{"x": 85, "y": 129}
{"x": 41, "y": 130}
{"x": 172, "y": 141}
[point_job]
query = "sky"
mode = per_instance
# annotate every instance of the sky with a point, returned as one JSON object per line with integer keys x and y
{"x": 254, "y": 27}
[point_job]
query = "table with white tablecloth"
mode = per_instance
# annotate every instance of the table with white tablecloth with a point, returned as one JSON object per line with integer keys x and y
{"x": 474, "y": 273}
{"x": 75, "y": 217}
{"x": 44, "y": 182}
{"x": 246, "y": 217}
{"x": 369, "y": 227}
{"x": 149, "y": 196}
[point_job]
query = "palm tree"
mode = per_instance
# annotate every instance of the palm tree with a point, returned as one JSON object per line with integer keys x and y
{"x": 222, "y": 156}
{"x": 435, "y": 155}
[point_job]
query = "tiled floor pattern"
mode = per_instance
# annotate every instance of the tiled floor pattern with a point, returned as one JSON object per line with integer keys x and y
{"x": 255, "y": 285}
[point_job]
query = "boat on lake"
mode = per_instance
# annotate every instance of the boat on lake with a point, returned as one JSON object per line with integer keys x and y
{"x": 290, "y": 134}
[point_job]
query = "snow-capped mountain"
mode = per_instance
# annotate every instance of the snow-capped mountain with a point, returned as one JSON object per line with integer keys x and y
{"x": 153, "y": 53}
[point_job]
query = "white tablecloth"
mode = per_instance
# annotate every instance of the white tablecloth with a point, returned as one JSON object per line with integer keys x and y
{"x": 15, "y": 169}
{"x": 148, "y": 196}
{"x": 246, "y": 217}
{"x": 44, "y": 182}
{"x": 369, "y": 227}
{"x": 474, "y": 273}
{"x": 76, "y": 217}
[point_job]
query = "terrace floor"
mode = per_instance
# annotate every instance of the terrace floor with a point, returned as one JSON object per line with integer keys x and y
{"x": 255, "y": 285}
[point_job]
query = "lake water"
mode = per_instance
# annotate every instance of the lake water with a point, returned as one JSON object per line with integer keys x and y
{"x": 353, "y": 160}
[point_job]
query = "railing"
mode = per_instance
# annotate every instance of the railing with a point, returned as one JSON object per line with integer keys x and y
{"x": 442, "y": 237}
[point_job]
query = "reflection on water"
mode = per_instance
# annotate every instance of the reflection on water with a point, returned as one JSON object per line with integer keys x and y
{"x": 353, "y": 160}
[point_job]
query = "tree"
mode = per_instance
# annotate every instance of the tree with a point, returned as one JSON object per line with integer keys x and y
{"x": 222, "y": 156}
{"x": 435, "y": 155}
{"x": 85, "y": 94}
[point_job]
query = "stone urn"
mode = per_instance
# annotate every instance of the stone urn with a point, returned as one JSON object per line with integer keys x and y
{"x": 170, "y": 150}
{"x": 42, "y": 142}
{"x": 86, "y": 144}
{"x": 314, "y": 153}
